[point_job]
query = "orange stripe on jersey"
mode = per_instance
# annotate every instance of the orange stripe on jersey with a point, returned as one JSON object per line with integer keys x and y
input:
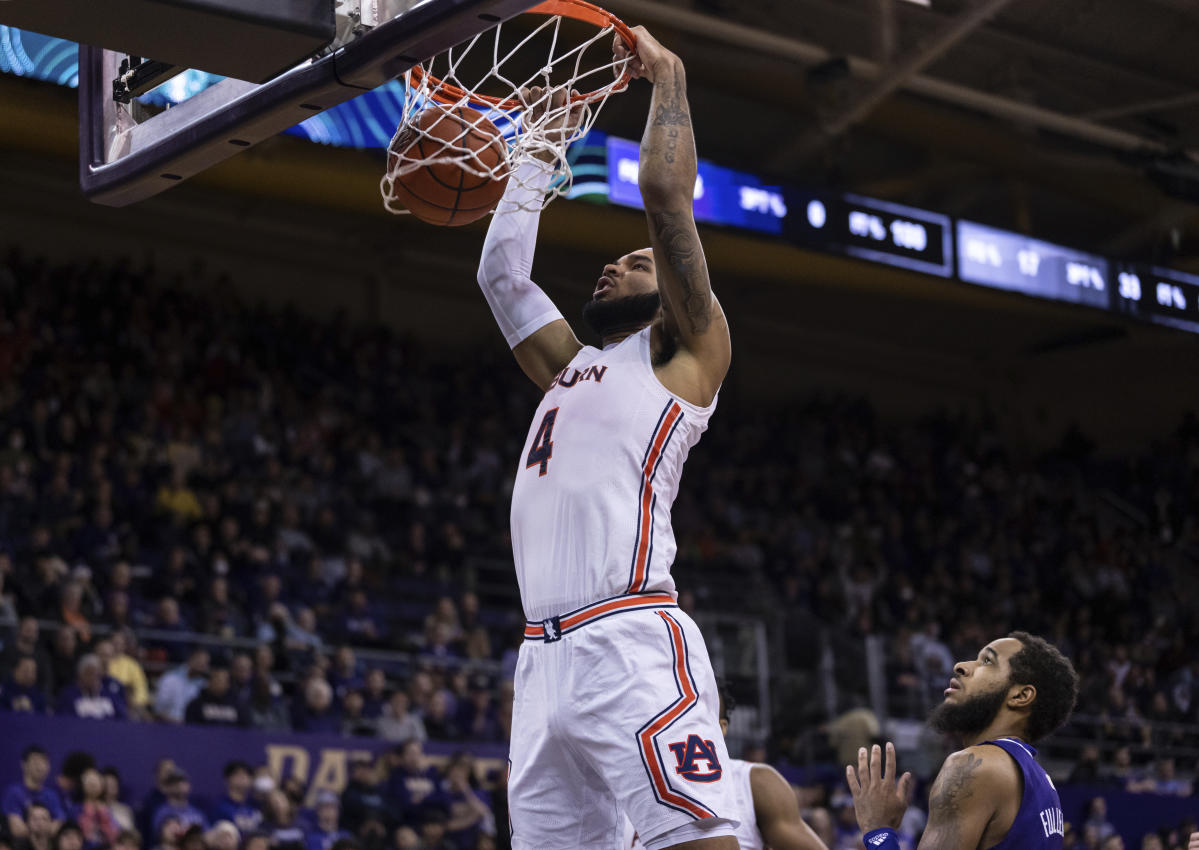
{"x": 646, "y": 514}
{"x": 687, "y": 698}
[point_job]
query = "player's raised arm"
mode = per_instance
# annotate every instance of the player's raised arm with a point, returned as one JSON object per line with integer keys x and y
{"x": 539, "y": 337}
{"x": 777, "y": 812}
{"x": 667, "y": 180}
{"x": 961, "y": 804}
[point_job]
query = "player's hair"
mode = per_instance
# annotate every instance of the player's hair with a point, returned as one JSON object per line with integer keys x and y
{"x": 727, "y": 703}
{"x": 1040, "y": 664}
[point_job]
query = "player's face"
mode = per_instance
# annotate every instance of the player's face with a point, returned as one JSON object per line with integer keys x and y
{"x": 632, "y": 274}
{"x": 989, "y": 671}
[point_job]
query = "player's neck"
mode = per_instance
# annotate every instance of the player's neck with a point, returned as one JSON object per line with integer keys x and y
{"x": 622, "y": 334}
{"x": 999, "y": 728}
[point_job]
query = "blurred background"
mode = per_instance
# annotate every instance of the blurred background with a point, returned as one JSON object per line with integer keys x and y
{"x": 257, "y": 435}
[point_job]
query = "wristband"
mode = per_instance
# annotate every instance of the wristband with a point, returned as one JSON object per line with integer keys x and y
{"x": 881, "y": 839}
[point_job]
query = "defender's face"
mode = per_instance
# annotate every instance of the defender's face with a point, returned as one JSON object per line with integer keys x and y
{"x": 632, "y": 274}
{"x": 984, "y": 674}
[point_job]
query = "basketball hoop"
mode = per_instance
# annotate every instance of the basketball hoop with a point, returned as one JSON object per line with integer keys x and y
{"x": 482, "y": 74}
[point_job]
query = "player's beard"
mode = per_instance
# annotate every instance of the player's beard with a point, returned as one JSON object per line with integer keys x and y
{"x": 612, "y": 316}
{"x": 970, "y": 717}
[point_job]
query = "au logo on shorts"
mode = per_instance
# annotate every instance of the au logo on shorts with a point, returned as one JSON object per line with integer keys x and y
{"x": 692, "y": 751}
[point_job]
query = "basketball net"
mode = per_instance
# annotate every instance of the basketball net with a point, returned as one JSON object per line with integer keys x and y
{"x": 438, "y": 84}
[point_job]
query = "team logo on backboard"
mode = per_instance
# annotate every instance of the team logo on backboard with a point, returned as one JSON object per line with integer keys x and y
{"x": 693, "y": 751}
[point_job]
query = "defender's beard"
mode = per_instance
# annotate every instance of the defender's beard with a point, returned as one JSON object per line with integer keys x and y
{"x": 969, "y": 717}
{"x": 613, "y": 316}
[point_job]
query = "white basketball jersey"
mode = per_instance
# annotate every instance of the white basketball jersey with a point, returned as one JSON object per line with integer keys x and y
{"x": 598, "y": 473}
{"x": 747, "y": 829}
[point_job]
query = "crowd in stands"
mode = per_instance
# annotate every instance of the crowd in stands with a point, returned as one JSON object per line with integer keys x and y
{"x": 313, "y": 496}
{"x": 399, "y": 801}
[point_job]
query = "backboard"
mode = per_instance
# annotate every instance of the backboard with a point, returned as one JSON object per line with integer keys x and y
{"x": 127, "y": 154}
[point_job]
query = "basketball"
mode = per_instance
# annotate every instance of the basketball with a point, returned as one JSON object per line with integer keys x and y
{"x": 446, "y": 192}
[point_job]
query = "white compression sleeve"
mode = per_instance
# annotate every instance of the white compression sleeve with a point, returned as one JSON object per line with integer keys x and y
{"x": 519, "y": 305}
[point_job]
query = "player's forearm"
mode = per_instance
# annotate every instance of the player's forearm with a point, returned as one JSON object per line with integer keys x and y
{"x": 667, "y": 170}
{"x": 519, "y": 306}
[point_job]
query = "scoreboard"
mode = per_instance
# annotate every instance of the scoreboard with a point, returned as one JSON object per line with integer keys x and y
{"x": 923, "y": 241}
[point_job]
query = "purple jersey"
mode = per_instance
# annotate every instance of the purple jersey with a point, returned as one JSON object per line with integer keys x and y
{"x": 1039, "y": 822}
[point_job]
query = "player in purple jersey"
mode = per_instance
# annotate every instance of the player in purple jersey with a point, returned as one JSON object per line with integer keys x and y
{"x": 992, "y": 793}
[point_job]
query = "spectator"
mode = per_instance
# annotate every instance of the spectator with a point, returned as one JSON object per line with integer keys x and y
{"x": 170, "y": 833}
{"x": 37, "y": 829}
{"x": 241, "y": 678}
{"x": 1086, "y": 769}
{"x": 68, "y": 837}
{"x": 398, "y": 722}
{"x": 178, "y": 804}
{"x": 93, "y": 695}
{"x": 280, "y": 823}
{"x": 237, "y": 806}
{"x": 256, "y": 841}
{"x": 412, "y": 780}
{"x": 64, "y": 658}
{"x": 353, "y": 721}
{"x": 27, "y": 643}
{"x": 439, "y": 722}
{"x": 219, "y": 615}
{"x": 72, "y": 612}
{"x": 119, "y": 655}
{"x": 1112, "y": 842}
{"x": 1163, "y": 780}
{"x": 317, "y": 714}
{"x": 215, "y": 706}
{"x": 31, "y": 790}
{"x": 327, "y": 830}
{"x": 176, "y": 499}
{"x": 374, "y": 694}
{"x": 157, "y": 796}
{"x": 95, "y": 818}
{"x": 477, "y": 715}
{"x": 1096, "y": 819}
{"x": 21, "y": 692}
{"x": 223, "y": 836}
{"x": 364, "y": 807}
{"x": 128, "y": 839}
{"x": 169, "y": 619}
{"x": 121, "y": 812}
{"x": 433, "y": 824}
{"x": 179, "y": 686}
{"x": 267, "y": 711}
{"x": 344, "y": 675}
{"x": 468, "y": 807}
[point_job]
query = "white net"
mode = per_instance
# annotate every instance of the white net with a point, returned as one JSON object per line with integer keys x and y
{"x": 508, "y": 82}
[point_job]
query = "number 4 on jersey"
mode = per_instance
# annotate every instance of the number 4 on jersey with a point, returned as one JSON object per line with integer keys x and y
{"x": 543, "y": 446}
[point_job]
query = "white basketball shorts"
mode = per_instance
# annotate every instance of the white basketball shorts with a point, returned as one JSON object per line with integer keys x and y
{"x": 616, "y": 713}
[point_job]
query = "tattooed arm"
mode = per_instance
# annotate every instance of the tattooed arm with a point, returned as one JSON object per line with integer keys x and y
{"x": 971, "y": 789}
{"x": 697, "y": 344}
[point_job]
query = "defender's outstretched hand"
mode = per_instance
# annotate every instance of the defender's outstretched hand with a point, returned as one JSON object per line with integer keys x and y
{"x": 878, "y": 800}
{"x": 1193, "y": 844}
{"x": 647, "y": 56}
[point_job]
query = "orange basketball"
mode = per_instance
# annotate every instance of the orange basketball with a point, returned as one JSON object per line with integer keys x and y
{"x": 445, "y": 192}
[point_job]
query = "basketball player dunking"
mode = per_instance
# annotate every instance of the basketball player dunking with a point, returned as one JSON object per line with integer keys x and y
{"x": 616, "y": 703}
{"x": 991, "y": 794}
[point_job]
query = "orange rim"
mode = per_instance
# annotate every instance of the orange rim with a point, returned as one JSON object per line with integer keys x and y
{"x": 579, "y": 10}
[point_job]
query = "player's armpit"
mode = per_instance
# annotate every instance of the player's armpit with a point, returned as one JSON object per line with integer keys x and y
{"x": 962, "y": 802}
{"x": 777, "y": 812}
{"x": 546, "y": 352}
